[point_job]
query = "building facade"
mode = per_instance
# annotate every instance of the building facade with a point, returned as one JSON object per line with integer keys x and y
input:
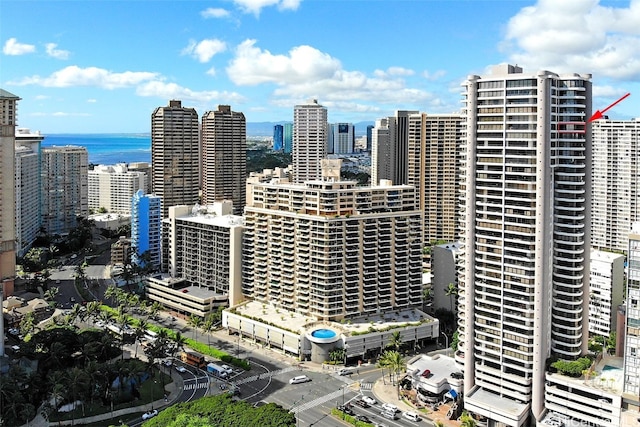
{"x": 8, "y": 121}
{"x": 65, "y": 195}
{"x": 175, "y": 157}
{"x": 112, "y": 186}
{"x": 205, "y": 248}
{"x": 224, "y": 157}
{"x": 287, "y": 137}
{"x": 27, "y": 182}
{"x": 309, "y": 140}
{"x": 606, "y": 291}
{"x": 390, "y": 151}
{"x": 616, "y": 182}
{"x": 632, "y": 335}
{"x": 341, "y": 138}
{"x": 523, "y": 283}
{"x": 146, "y": 228}
{"x": 433, "y": 168}
{"x": 332, "y": 250}
{"x": 278, "y": 138}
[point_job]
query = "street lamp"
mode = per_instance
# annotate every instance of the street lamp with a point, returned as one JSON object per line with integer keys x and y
{"x": 446, "y": 338}
{"x": 294, "y": 405}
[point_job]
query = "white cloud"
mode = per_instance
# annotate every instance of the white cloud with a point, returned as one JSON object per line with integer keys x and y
{"x": 211, "y": 71}
{"x": 252, "y": 65}
{"x": 394, "y": 71}
{"x": 41, "y": 97}
{"x": 305, "y": 72}
{"x": 433, "y": 76}
{"x": 92, "y": 100}
{"x": 90, "y": 76}
{"x": 255, "y": 6}
{"x": 577, "y": 36}
{"x": 14, "y": 48}
{"x": 58, "y": 114}
{"x": 56, "y": 53}
{"x": 204, "y": 50}
{"x": 214, "y": 12}
{"x": 174, "y": 91}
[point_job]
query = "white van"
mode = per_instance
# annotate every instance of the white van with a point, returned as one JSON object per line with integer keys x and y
{"x": 389, "y": 407}
{"x": 299, "y": 379}
{"x": 345, "y": 371}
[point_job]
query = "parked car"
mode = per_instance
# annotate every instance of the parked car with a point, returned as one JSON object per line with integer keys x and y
{"x": 457, "y": 375}
{"x": 426, "y": 373}
{"x": 181, "y": 369}
{"x": 412, "y": 416}
{"x": 149, "y": 414}
{"x": 299, "y": 379}
{"x": 345, "y": 371}
{"x": 370, "y": 400}
{"x": 361, "y": 403}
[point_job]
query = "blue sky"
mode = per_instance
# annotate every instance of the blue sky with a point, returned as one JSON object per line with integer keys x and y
{"x": 90, "y": 66}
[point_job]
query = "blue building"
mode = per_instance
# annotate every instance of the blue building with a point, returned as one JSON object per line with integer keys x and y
{"x": 369, "y": 137}
{"x": 288, "y": 137}
{"x": 278, "y": 137}
{"x": 146, "y": 227}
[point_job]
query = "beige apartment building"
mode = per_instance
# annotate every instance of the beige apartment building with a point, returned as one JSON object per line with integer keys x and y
{"x": 8, "y": 121}
{"x": 332, "y": 250}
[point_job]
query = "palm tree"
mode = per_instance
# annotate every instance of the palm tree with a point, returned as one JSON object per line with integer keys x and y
{"x": 179, "y": 341}
{"x": 467, "y": 420}
{"x": 207, "y": 327}
{"x": 393, "y": 361}
{"x": 139, "y": 332}
{"x": 77, "y": 383}
{"x": 155, "y": 309}
{"x": 195, "y": 322}
{"x": 50, "y": 295}
{"x": 395, "y": 340}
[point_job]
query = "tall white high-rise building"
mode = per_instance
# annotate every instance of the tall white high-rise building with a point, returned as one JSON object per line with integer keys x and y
{"x": 523, "y": 286}
{"x": 632, "y": 336}
{"x": 175, "y": 155}
{"x": 112, "y": 186}
{"x": 616, "y": 182}
{"x": 8, "y": 121}
{"x": 64, "y": 187}
{"x": 309, "y": 140}
{"x": 224, "y": 157}
{"x": 606, "y": 291}
{"x": 28, "y": 203}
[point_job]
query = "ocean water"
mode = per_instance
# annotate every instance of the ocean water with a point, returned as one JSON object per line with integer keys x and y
{"x": 107, "y": 149}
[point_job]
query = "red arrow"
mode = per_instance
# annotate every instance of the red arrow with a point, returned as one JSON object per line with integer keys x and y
{"x": 598, "y": 114}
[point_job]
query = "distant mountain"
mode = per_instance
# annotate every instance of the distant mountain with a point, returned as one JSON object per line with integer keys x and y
{"x": 266, "y": 128}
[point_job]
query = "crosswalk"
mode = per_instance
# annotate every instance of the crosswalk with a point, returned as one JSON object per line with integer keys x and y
{"x": 366, "y": 386}
{"x": 318, "y": 401}
{"x": 264, "y": 376}
{"x": 194, "y": 386}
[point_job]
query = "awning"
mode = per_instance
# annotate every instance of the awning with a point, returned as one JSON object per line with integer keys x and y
{"x": 452, "y": 394}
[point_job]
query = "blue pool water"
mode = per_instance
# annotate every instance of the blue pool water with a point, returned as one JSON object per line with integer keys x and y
{"x": 323, "y": 333}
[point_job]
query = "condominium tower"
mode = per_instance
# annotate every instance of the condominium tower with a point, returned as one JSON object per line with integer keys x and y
{"x": 632, "y": 336}
{"x": 523, "y": 286}
{"x": 175, "y": 164}
{"x": 206, "y": 248}
{"x": 616, "y": 182}
{"x": 224, "y": 157}
{"x": 8, "y": 121}
{"x": 28, "y": 196}
{"x": 64, "y": 187}
{"x": 333, "y": 250}
{"x": 433, "y": 169}
{"x": 341, "y": 138}
{"x": 112, "y": 186}
{"x": 390, "y": 148}
{"x": 146, "y": 229}
{"x": 309, "y": 140}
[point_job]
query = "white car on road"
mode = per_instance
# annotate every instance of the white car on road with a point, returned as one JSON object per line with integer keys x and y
{"x": 370, "y": 400}
{"x": 181, "y": 368}
{"x": 149, "y": 414}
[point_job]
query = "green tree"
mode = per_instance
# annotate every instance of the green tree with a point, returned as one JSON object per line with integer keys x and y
{"x": 393, "y": 361}
{"x": 196, "y": 323}
{"x": 395, "y": 340}
{"x": 451, "y": 291}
